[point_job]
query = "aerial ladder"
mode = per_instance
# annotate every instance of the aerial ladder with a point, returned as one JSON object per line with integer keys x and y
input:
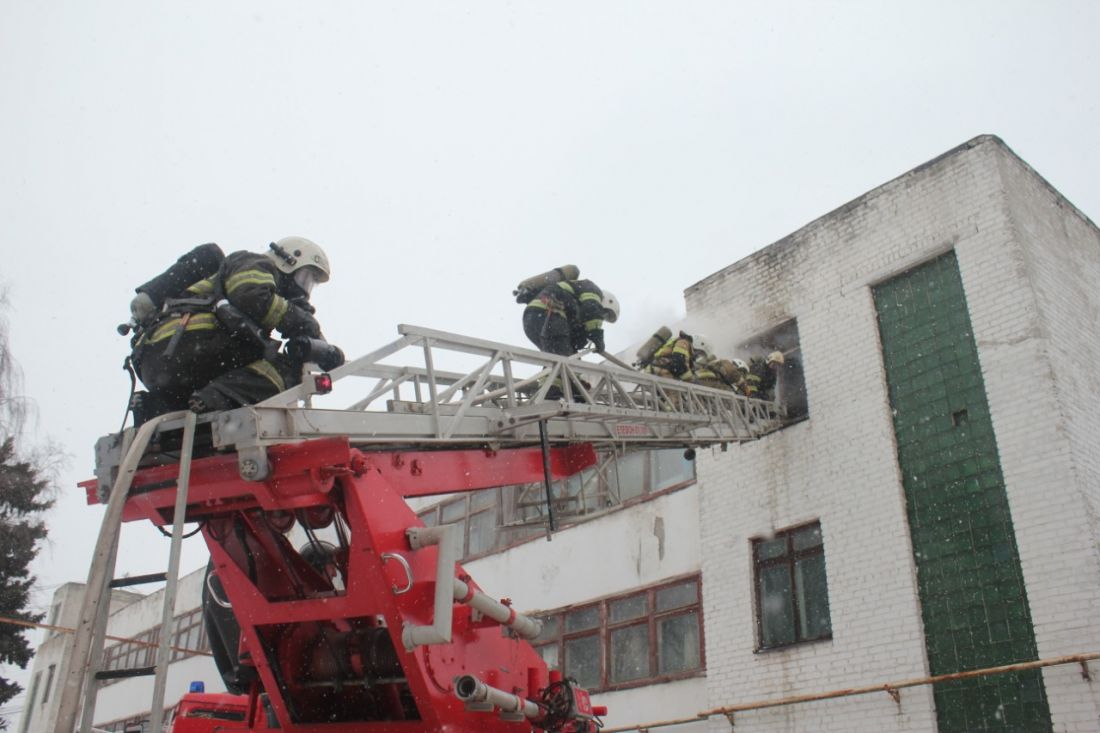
{"x": 380, "y": 629}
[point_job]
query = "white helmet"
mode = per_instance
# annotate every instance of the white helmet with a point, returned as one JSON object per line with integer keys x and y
{"x": 775, "y": 358}
{"x": 699, "y": 342}
{"x": 293, "y": 253}
{"x": 740, "y": 364}
{"x": 611, "y": 305}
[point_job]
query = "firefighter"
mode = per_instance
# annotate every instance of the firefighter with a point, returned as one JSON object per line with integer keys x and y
{"x": 208, "y": 347}
{"x": 765, "y": 371}
{"x": 566, "y": 315}
{"x": 678, "y": 355}
{"x": 718, "y": 374}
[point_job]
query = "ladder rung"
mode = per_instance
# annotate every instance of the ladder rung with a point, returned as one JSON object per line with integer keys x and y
{"x": 139, "y": 579}
{"x": 115, "y": 674}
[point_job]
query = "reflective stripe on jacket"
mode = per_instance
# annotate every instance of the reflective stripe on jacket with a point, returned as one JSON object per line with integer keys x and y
{"x": 674, "y": 355}
{"x": 579, "y": 301}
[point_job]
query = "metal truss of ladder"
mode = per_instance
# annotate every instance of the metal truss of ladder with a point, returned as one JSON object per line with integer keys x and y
{"x": 499, "y": 401}
{"x": 81, "y": 682}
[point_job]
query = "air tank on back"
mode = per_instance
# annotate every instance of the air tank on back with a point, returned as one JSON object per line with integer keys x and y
{"x": 649, "y": 348}
{"x": 530, "y": 287}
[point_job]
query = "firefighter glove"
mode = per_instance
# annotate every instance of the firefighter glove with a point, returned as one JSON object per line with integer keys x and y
{"x": 299, "y": 322}
{"x": 596, "y": 337}
{"x": 142, "y": 308}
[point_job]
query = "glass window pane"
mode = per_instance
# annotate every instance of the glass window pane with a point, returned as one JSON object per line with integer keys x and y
{"x": 670, "y": 468}
{"x": 776, "y": 615}
{"x": 430, "y": 518}
{"x": 582, "y": 618}
{"x": 807, "y": 537}
{"x": 549, "y": 654}
{"x": 625, "y": 609}
{"x": 582, "y": 660}
{"x": 767, "y": 549}
{"x": 678, "y": 643}
{"x": 813, "y": 597}
{"x": 483, "y": 499}
{"x": 676, "y": 596}
{"x": 483, "y": 530}
{"x": 453, "y": 511}
{"x": 630, "y": 653}
{"x": 590, "y": 490}
{"x": 460, "y": 537}
{"x": 551, "y": 626}
{"x": 630, "y": 474}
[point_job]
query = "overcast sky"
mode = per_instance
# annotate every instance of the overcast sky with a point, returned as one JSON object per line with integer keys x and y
{"x": 441, "y": 153}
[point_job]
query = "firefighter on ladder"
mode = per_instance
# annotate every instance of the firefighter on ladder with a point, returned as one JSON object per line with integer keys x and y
{"x": 677, "y": 357}
{"x": 202, "y": 337}
{"x": 564, "y": 313}
{"x": 764, "y": 371}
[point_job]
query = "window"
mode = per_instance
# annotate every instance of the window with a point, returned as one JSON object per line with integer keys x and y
{"x": 141, "y": 650}
{"x": 792, "y": 599}
{"x": 189, "y": 634}
{"x": 790, "y": 383}
{"x": 476, "y": 515}
{"x": 30, "y": 701}
{"x": 492, "y": 519}
{"x": 55, "y": 613}
{"x": 49, "y": 683}
{"x": 642, "y": 637}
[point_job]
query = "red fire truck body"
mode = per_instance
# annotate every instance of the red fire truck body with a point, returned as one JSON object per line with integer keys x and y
{"x": 355, "y": 643}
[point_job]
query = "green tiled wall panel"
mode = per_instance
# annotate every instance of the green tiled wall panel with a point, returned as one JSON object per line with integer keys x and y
{"x": 973, "y": 600}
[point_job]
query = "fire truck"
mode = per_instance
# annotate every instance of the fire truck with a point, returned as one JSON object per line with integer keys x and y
{"x": 373, "y": 624}
{"x": 213, "y": 712}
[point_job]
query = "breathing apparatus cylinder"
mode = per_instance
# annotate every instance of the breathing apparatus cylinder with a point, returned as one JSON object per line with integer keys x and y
{"x": 532, "y": 285}
{"x": 649, "y": 348}
{"x": 203, "y": 261}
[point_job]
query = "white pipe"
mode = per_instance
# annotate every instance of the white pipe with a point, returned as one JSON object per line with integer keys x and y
{"x": 439, "y": 632}
{"x": 525, "y": 626}
{"x": 470, "y": 689}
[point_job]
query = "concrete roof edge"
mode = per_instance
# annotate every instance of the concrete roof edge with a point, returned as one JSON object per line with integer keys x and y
{"x": 978, "y": 141}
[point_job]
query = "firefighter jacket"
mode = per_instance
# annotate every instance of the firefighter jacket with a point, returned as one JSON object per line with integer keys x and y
{"x": 197, "y": 337}
{"x": 580, "y": 302}
{"x": 674, "y": 358}
{"x": 762, "y": 375}
{"x": 706, "y": 376}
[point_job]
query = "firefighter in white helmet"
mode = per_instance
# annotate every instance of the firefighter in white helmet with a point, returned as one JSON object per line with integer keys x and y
{"x": 564, "y": 315}
{"x": 765, "y": 371}
{"x": 203, "y": 336}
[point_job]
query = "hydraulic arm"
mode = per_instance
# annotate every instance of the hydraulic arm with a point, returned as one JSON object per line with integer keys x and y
{"x": 381, "y": 629}
{"x": 366, "y": 621}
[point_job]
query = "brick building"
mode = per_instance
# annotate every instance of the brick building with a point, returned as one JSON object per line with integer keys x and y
{"x": 947, "y": 335}
{"x": 931, "y": 507}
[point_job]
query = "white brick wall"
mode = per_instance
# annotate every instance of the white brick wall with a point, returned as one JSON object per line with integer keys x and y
{"x": 1036, "y": 326}
{"x": 841, "y": 466}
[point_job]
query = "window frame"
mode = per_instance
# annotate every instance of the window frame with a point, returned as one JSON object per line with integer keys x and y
{"x": 183, "y": 634}
{"x": 49, "y": 683}
{"x": 140, "y": 650}
{"x": 791, "y": 380}
{"x": 605, "y": 628}
{"x": 505, "y": 499}
{"x": 790, "y": 558}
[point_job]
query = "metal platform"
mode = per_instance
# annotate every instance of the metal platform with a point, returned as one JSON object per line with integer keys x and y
{"x": 410, "y": 394}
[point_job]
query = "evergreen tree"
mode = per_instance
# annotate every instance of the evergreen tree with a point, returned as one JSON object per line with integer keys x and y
{"x": 23, "y": 497}
{"x": 25, "y": 493}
